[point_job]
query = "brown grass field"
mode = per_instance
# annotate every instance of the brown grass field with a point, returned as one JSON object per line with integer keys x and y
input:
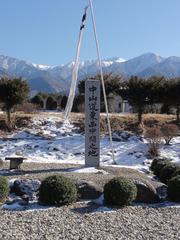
{"x": 126, "y": 122}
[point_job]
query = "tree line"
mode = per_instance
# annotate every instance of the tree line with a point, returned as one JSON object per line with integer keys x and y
{"x": 139, "y": 92}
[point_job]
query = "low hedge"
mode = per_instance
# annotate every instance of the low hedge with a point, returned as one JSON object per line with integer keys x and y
{"x": 174, "y": 189}
{"x": 177, "y": 173}
{"x": 57, "y": 190}
{"x": 168, "y": 171}
{"x": 159, "y": 165}
{"x": 119, "y": 191}
{"x": 154, "y": 163}
{"x": 4, "y": 188}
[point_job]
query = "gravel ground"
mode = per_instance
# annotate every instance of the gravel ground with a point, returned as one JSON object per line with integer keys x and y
{"x": 80, "y": 221}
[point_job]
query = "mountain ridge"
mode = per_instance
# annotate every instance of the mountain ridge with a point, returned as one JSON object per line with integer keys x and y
{"x": 57, "y": 78}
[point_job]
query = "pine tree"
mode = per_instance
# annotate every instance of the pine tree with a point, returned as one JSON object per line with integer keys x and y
{"x": 141, "y": 92}
{"x": 172, "y": 95}
{"x": 12, "y": 92}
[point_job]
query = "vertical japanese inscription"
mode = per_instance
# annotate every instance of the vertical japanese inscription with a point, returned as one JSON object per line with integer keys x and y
{"x": 92, "y": 113}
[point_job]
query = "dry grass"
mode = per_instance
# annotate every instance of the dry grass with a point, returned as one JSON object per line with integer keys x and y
{"x": 17, "y": 121}
{"x": 126, "y": 122}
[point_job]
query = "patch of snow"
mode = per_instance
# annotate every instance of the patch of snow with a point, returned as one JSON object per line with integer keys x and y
{"x": 89, "y": 170}
{"x": 42, "y": 67}
{"x": 120, "y": 60}
{"x": 32, "y": 206}
{"x": 103, "y": 210}
{"x": 100, "y": 200}
{"x": 13, "y": 207}
{"x": 11, "y": 181}
{"x": 47, "y": 141}
{"x": 172, "y": 151}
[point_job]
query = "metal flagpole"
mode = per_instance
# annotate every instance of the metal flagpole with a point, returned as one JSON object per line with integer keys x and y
{"x": 102, "y": 78}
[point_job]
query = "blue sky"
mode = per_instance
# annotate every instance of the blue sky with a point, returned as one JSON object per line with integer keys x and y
{"x": 46, "y": 31}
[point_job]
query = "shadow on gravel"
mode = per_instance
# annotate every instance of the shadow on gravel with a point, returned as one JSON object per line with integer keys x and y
{"x": 90, "y": 207}
{"x": 162, "y": 204}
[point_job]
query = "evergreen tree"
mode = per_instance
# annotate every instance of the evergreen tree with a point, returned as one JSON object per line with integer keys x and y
{"x": 51, "y": 104}
{"x": 141, "y": 92}
{"x": 12, "y": 92}
{"x": 37, "y": 99}
{"x": 172, "y": 95}
{"x": 64, "y": 102}
{"x": 111, "y": 81}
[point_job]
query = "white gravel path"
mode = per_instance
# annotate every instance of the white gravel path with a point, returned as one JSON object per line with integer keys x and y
{"x": 80, "y": 221}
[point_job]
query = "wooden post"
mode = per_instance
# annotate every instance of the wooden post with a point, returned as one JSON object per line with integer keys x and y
{"x": 92, "y": 123}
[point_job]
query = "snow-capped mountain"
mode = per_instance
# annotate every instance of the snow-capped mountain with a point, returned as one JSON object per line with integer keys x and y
{"x": 169, "y": 67}
{"x": 38, "y": 76}
{"x": 57, "y": 78}
{"x": 42, "y": 66}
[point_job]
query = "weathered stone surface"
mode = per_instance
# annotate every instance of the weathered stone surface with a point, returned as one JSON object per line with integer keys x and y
{"x": 88, "y": 190}
{"x": 162, "y": 191}
{"x": 92, "y": 123}
{"x": 16, "y": 200}
{"x": 26, "y": 186}
{"x": 146, "y": 192}
{"x": 26, "y": 198}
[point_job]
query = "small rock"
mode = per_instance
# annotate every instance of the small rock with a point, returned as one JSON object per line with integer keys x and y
{"x": 146, "y": 193}
{"x": 18, "y": 200}
{"x": 162, "y": 191}
{"x": 88, "y": 190}
{"x": 123, "y": 136}
{"x": 55, "y": 149}
{"x": 26, "y": 198}
{"x": 77, "y": 153}
{"x": 19, "y": 153}
{"x": 26, "y": 186}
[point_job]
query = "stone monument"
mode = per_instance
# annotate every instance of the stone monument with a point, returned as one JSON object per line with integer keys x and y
{"x": 92, "y": 123}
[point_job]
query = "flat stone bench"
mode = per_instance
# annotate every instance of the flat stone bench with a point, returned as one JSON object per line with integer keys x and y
{"x": 15, "y": 162}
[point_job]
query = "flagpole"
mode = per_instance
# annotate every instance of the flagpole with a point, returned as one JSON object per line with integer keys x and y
{"x": 102, "y": 79}
{"x": 71, "y": 96}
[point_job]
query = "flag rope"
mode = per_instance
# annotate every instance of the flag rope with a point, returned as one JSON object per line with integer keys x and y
{"x": 102, "y": 79}
{"x": 75, "y": 74}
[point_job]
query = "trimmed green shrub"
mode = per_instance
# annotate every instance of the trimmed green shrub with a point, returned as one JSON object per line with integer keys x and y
{"x": 167, "y": 172}
{"x": 4, "y": 188}
{"x": 57, "y": 190}
{"x": 177, "y": 173}
{"x": 119, "y": 191}
{"x": 160, "y": 165}
{"x": 154, "y": 163}
{"x": 174, "y": 189}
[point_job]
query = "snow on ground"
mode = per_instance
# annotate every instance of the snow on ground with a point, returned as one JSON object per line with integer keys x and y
{"x": 88, "y": 170}
{"x": 48, "y": 141}
{"x": 32, "y": 206}
{"x": 172, "y": 151}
